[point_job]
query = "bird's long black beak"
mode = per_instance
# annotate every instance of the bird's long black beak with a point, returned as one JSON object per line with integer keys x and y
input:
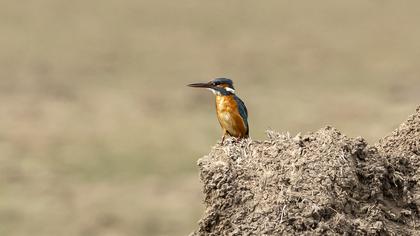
{"x": 200, "y": 85}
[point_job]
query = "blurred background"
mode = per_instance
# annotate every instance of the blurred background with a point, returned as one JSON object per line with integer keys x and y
{"x": 100, "y": 136}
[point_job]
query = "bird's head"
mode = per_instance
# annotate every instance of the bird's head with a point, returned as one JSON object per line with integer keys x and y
{"x": 219, "y": 86}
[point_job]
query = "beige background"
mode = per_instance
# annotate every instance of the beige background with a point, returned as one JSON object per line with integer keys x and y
{"x": 100, "y": 136}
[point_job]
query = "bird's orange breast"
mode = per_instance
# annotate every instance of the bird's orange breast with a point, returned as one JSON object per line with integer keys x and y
{"x": 229, "y": 117}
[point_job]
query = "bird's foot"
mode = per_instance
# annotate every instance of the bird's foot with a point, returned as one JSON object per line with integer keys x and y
{"x": 222, "y": 142}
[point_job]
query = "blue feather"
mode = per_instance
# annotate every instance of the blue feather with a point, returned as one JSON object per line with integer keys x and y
{"x": 242, "y": 111}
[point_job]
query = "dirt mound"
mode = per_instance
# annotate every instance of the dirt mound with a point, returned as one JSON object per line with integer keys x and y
{"x": 322, "y": 183}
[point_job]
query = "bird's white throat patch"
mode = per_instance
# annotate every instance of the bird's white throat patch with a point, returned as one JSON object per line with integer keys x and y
{"x": 218, "y": 93}
{"x": 215, "y": 91}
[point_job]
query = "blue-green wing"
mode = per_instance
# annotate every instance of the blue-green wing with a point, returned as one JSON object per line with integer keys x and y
{"x": 242, "y": 111}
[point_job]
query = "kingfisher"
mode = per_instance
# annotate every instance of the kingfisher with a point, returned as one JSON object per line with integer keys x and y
{"x": 230, "y": 109}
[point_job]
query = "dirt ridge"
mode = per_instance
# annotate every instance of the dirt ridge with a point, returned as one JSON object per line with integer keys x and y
{"x": 320, "y": 183}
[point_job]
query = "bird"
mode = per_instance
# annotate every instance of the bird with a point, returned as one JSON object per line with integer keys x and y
{"x": 230, "y": 109}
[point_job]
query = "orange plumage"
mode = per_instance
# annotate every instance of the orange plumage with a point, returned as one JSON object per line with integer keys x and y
{"x": 229, "y": 117}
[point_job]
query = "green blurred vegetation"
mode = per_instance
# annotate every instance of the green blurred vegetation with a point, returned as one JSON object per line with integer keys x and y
{"x": 100, "y": 136}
